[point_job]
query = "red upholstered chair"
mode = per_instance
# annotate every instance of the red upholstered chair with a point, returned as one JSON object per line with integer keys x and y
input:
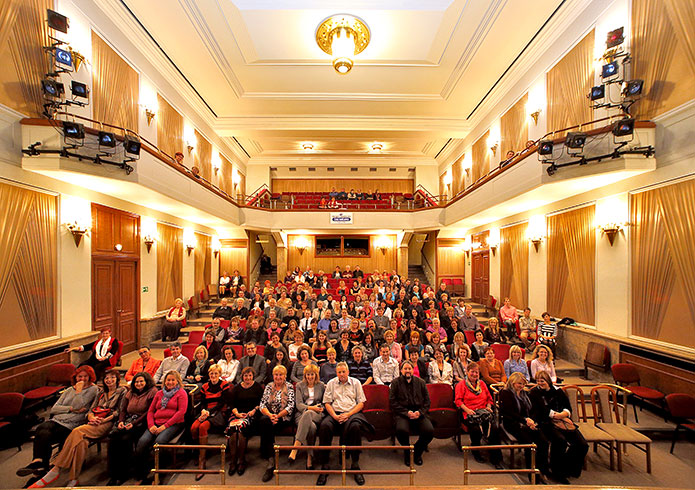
{"x": 457, "y": 286}
{"x": 10, "y": 419}
{"x": 224, "y": 323}
{"x": 377, "y": 410}
{"x": 443, "y": 413}
{"x": 239, "y": 351}
{"x": 470, "y": 336}
{"x": 627, "y": 375}
{"x": 59, "y": 378}
{"x": 501, "y": 351}
{"x": 116, "y": 358}
{"x": 188, "y": 349}
{"x": 195, "y": 337}
{"x": 167, "y": 352}
{"x": 260, "y": 349}
{"x": 682, "y": 408}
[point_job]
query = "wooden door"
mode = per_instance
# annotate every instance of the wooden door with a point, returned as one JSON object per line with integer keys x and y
{"x": 481, "y": 276}
{"x": 114, "y": 299}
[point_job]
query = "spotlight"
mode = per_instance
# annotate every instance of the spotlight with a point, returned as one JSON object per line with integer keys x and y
{"x": 73, "y": 130}
{"x": 64, "y": 57}
{"x": 107, "y": 140}
{"x": 51, "y": 88}
{"x": 551, "y": 169}
{"x": 633, "y": 88}
{"x": 575, "y": 140}
{"x": 610, "y": 69}
{"x": 615, "y": 38}
{"x": 597, "y": 92}
{"x": 57, "y": 21}
{"x": 624, "y": 127}
{"x": 131, "y": 144}
{"x": 79, "y": 89}
{"x": 545, "y": 147}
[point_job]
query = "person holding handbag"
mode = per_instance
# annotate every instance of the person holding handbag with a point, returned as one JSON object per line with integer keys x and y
{"x": 551, "y": 408}
{"x": 212, "y": 413}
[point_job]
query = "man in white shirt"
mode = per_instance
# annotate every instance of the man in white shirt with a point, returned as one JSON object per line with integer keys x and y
{"x": 343, "y": 401}
{"x": 175, "y": 362}
{"x": 385, "y": 367}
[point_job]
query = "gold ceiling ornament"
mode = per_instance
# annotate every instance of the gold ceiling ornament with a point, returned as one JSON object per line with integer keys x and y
{"x": 342, "y": 36}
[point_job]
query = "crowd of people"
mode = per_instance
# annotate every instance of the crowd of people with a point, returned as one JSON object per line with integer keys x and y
{"x": 322, "y": 339}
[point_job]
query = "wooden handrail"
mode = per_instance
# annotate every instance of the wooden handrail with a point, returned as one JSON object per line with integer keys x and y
{"x": 157, "y": 471}
{"x": 533, "y": 471}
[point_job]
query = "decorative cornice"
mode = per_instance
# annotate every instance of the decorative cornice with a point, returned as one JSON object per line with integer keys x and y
{"x": 393, "y": 97}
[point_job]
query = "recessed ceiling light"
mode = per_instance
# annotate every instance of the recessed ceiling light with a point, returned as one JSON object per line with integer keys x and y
{"x": 308, "y": 146}
{"x": 377, "y": 147}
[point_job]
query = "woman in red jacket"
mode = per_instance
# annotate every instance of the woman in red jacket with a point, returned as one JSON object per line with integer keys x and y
{"x": 164, "y": 420}
{"x": 475, "y": 401}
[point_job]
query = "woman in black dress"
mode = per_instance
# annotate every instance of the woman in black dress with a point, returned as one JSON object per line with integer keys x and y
{"x": 244, "y": 400}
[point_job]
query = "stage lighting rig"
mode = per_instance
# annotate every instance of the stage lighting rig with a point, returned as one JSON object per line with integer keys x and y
{"x": 545, "y": 147}
{"x": 57, "y": 21}
{"x": 73, "y": 131}
{"x": 632, "y": 88}
{"x": 132, "y": 146}
{"x": 615, "y": 38}
{"x": 79, "y": 89}
{"x": 52, "y": 88}
{"x": 575, "y": 140}
{"x": 106, "y": 140}
{"x": 597, "y": 93}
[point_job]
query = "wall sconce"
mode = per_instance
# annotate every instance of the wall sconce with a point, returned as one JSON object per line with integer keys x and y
{"x": 216, "y": 245}
{"x": 150, "y": 115}
{"x": 466, "y": 247}
{"x": 383, "y": 243}
{"x": 77, "y": 231}
{"x": 149, "y": 241}
{"x": 301, "y": 248}
{"x": 301, "y": 244}
{"x": 493, "y": 148}
{"x": 190, "y": 248}
{"x": 190, "y": 148}
{"x": 534, "y": 115}
{"x": 536, "y": 241}
{"x": 611, "y": 230}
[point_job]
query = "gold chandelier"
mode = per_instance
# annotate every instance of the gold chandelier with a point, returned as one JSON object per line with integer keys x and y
{"x": 342, "y": 36}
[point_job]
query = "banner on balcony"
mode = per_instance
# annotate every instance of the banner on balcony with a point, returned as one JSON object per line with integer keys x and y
{"x": 341, "y": 218}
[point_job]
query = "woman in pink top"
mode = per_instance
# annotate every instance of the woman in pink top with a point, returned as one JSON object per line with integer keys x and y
{"x": 164, "y": 421}
{"x": 509, "y": 317}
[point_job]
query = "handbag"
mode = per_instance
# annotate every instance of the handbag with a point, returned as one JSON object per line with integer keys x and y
{"x": 101, "y": 412}
{"x": 564, "y": 424}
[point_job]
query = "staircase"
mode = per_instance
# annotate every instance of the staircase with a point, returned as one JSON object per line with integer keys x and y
{"x": 272, "y": 276}
{"x": 416, "y": 271}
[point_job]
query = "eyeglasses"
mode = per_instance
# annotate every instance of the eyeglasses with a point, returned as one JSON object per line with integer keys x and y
{"x": 143, "y": 352}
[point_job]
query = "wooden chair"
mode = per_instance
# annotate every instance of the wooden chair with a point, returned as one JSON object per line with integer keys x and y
{"x": 607, "y": 408}
{"x": 597, "y": 357}
{"x": 591, "y": 433}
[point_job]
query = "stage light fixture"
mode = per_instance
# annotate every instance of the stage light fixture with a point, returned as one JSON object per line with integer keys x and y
{"x": 51, "y": 88}
{"x": 107, "y": 140}
{"x": 63, "y": 57}
{"x": 624, "y": 127}
{"x": 545, "y": 147}
{"x": 598, "y": 92}
{"x": 57, "y": 21}
{"x": 610, "y": 69}
{"x": 632, "y": 88}
{"x": 73, "y": 130}
{"x": 79, "y": 89}
{"x": 615, "y": 38}
{"x": 131, "y": 144}
{"x": 551, "y": 169}
{"x": 575, "y": 140}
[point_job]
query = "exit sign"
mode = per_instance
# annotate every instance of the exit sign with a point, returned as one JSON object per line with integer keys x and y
{"x": 145, "y": 289}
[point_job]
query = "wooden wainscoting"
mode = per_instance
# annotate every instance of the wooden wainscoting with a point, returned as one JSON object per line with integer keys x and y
{"x": 234, "y": 255}
{"x": 659, "y": 371}
{"x": 27, "y": 372}
{"x": 387, "y": 260}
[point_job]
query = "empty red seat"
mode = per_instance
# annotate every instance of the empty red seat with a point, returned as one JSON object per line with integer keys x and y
{"x": 377, "y": 410}
{"x": 443, "y": 413}
{"x": 59, "y": 378}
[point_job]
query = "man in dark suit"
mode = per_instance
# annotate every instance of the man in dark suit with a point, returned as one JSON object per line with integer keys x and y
{"x": 223, "y": 311}
{"x": 272, "y": 306}
{"x": 410, "y": 403}
{"x": 257, "y": 362}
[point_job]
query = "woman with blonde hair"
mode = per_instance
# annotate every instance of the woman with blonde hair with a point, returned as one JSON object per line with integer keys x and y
{"x": 516, "y": 363}
{"x": 309, "y": 413}
{"x": 174, "y": 321}
{"x": 276, "y": 408}
{"x": 212, "y": 413}
{"x": 543, "y": 361}
{"x": 493, "y": 334}
{"x": 461, "y": 363}
{"x": 197, "y": 372}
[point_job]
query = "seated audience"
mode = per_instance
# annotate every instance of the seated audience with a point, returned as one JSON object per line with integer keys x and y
{"x": 515, "y": 412}
{"x": 328, "y": 368}
{"x": 298, "y": 343}
{"x": 309, "y": 411}
{"x": 175, "y": 362}
{"x": 164, "y": 421}
{"x": 369, "y": 347}
{"x": 100, "y": 419}
{"x": 396, "y": 351}
{"x": 468, "y": 320}
{"x": 384, "y": 367}
{"x": 460, "y": 363}
{"x": 543, "y": 361}
{"x": 440, "y": 371}
{"x": 255, "y": 333}
{"x": 319, "y": 349}
{"x": 174, "y": 321}
{"x": 272, "y": 346}
{"x": 547, "y": 332}
{"x": 279, "y": 359}
{"x": 224, "y": 284}
{"x": 344, "y": 347}
{"x": 212, "y": 346}
{"x": 360, "y": 369}
{"x": 493, "y": 334}
{"x": 197, "y": 372}
{"x": 509, "y": 315}
{"x": 244, "y": 400}
{"x": 479, "y": 347}
{"x": 410, "y": 402}
{"x": 304, "y": 360}
{"x": 434, "y": 346}
{"x": 228, "y": 365}
{"x": 251, "y": 359}
{"x": 212, "y": 414}
{"x": 68, "y": 413}
{"x": 516, "y": 363}
{"x": 102, "y": 350}
{"x": 420, "y": 366}
{"x": 475, "y": 401}
{"x": 491, "y": 369}
{"x": 223, "y": 311}
{"x": 343, "y": 400}
{"x": 277, "y": 405}
{"x": 145, "y": 363}
{"x": 132, "y": 422}
{"x": 551, "y": 409}
{"x": 527, "y": 325}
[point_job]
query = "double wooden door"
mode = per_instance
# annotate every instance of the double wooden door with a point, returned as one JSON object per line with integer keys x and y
{"x": 114, "y": 298}
{"x": 480, "y": 276}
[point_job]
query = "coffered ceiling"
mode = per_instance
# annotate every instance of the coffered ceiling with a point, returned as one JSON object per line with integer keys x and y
{"x": 257, "y": 66}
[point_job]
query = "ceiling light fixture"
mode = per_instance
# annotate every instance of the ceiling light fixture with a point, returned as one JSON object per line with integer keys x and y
{"x": 377, "y": 147}
{"x": 342, "y": 36}
{"x": 307, "y": 146}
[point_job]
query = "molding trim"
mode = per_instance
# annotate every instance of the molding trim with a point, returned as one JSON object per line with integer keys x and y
{"x": 342, "y": 96}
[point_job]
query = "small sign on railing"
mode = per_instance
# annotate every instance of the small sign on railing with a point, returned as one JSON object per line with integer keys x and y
{"x": 341, "y": 218}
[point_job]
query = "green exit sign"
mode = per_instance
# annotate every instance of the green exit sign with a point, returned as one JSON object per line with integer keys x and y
{"x": 145, "y": 289}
